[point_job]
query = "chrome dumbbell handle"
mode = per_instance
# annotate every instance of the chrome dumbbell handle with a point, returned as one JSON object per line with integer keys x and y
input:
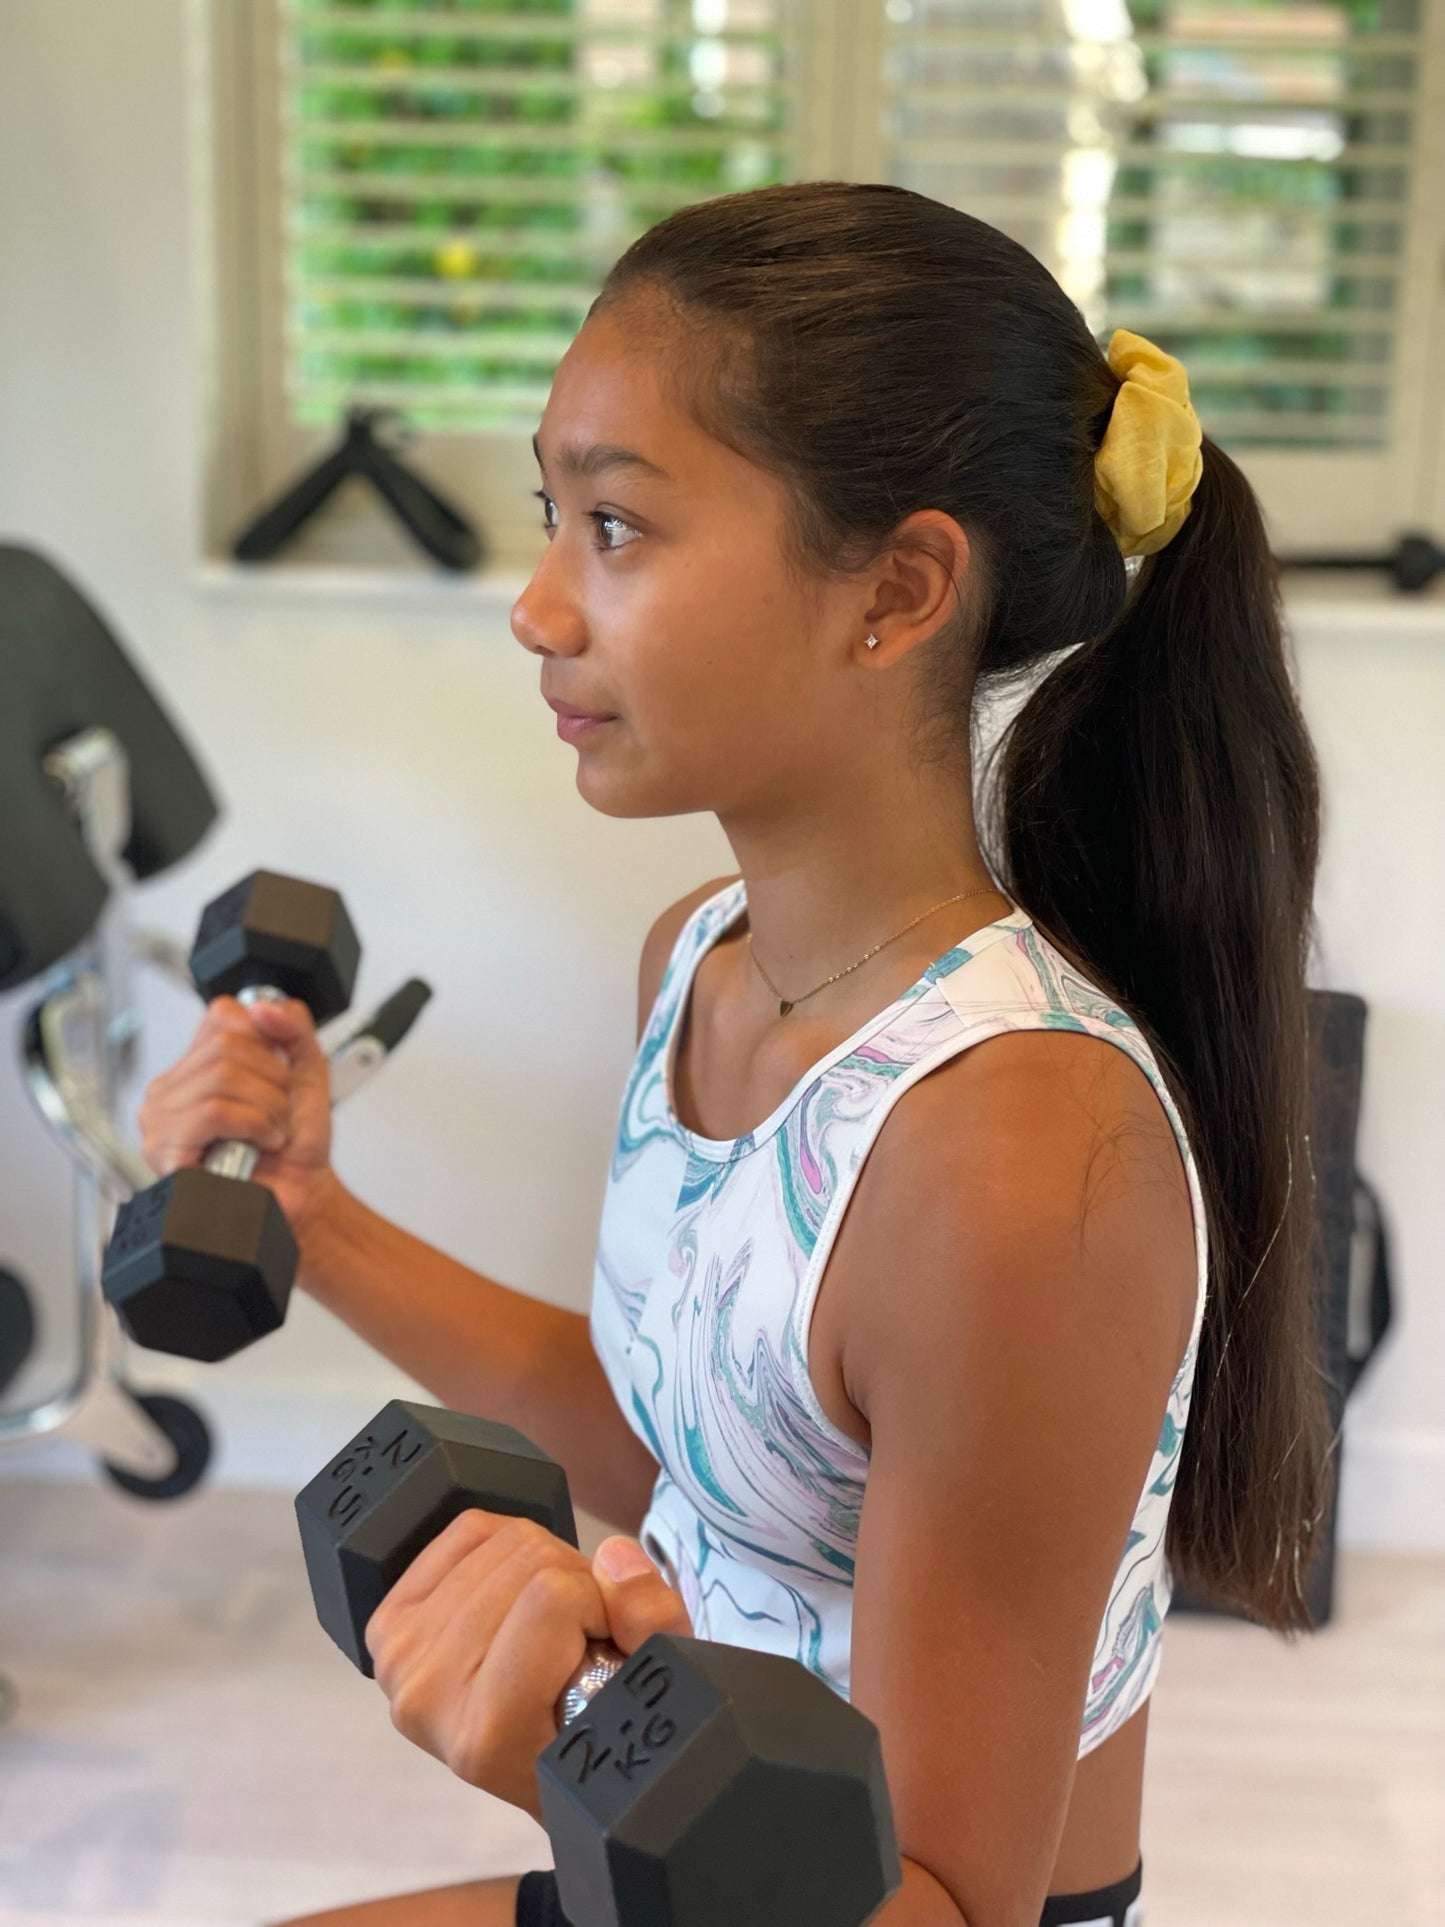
{"x": 233, "y": 1157}
{"x": 601, "y": 1660}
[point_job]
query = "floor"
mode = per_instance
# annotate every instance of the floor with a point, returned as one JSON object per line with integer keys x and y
{"x": 187, "y": 1749}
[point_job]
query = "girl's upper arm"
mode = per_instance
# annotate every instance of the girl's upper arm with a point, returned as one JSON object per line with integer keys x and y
{"x": 1023, "y": 1271}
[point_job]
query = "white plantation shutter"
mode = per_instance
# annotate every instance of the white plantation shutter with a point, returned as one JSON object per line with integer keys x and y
{"x": 1256, "y": 187}
{"x": 457, "y": 180}
{"x": 438, "y": 189}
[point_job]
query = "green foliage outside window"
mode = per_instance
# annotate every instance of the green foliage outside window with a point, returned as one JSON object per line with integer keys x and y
{"x": 458, "y": 188}
{"x": 461, "y": 173}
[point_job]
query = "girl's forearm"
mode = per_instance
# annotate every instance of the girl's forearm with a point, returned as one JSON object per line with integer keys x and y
{"x": 478, "y": 1346}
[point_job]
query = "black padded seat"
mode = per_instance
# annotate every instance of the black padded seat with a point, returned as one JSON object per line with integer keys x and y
{"x": 61, "y": 671}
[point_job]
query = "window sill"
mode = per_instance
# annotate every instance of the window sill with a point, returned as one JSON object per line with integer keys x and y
{"x": 344, "y": 584}
{"x": 1362, "y": 601}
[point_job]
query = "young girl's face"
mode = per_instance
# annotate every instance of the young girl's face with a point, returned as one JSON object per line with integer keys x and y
{"x": 666, "y": 600}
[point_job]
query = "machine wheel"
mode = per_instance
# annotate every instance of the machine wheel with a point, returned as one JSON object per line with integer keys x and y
{"x": 17, "y": 1326}
{"x": 187, "y": 1431}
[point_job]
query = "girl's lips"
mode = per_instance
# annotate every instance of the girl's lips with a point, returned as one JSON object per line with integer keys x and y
{"x": 572, "y": 729}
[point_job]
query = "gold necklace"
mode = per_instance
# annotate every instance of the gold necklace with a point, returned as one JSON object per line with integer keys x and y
{"x": 785, "y": 1004}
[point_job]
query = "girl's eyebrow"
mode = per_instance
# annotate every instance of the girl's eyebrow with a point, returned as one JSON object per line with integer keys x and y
{"x": 596, "y": 459}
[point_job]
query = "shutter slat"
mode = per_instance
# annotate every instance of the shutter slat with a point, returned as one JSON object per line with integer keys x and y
{"x": 1000, "y": 209}
{"x": 570, "y": 245}
{"x": 577, "y": 85}
{"x": 401, "y": 291}
{"x": 580, "y": 137}
{"x": 1271, "y": 427}
{"x": 1028, "y": 43}
{"x": 1204, "y": 370}
{"x": 482, "y": 189}
{"x": 566, "y": 244}
{"x": 1362, "y": 430}
{"x": 532, "y": 345}
{"x": 1165, "y": 319}
{"x": 507, "y": 82}
{"x": 1345, "y": 266}
{"x": 569, "y": 137}
{"x": 393, "y": 24}
{"x": 1066, "y": 89}
{"x": 397, "y": 24}
{"x": 1006, "y": 210}
{"x": 995, "y": 152}
{"x": 1278, "y": 368}
{"x": 497, "y": 398}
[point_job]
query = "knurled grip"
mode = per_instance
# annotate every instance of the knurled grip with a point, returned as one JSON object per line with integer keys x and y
{"x": 232, "y": 1157}
{"x": 601, "y": 1660}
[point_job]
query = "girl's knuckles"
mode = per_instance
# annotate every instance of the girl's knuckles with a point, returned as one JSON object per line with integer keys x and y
{"x": 525, "y": 1536}
{"x": 414, "y": 1698}
{"x": 390, "y": 1651}
{"x": 552, "y": 1590}
{"x": 382, "y": 1669}
{"x": 476, "y": 1753}
{"x": 472, "y": 1527}
{"x": 404, "y": 1716}
{"x": 554, "y": 1583}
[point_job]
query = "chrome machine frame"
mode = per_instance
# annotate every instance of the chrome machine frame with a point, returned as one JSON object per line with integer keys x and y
{"x": 79, "y": 1049}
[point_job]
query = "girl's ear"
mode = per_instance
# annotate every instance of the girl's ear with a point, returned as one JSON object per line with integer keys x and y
{"x": 923, "y": 584}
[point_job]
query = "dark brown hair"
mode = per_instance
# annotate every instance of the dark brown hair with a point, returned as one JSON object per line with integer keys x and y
{"x": 1154, "y": 803}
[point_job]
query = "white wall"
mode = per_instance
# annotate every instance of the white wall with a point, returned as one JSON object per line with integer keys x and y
{"x": 397, "y": 747}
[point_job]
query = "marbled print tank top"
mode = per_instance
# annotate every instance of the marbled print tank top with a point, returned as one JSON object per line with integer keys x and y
{"x": 709, "y": 1261}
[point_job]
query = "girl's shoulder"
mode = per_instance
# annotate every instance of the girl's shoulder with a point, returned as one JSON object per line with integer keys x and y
{"x": 661, "y": 940}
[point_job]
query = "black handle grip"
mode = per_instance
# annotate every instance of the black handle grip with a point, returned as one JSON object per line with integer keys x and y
{"x": 391, "y": 1021}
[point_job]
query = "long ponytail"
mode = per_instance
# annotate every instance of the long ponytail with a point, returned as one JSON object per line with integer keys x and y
{"x": 1156, "y": 808}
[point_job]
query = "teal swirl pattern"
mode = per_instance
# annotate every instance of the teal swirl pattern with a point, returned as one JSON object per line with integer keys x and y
{"x": 710, "y": 1256}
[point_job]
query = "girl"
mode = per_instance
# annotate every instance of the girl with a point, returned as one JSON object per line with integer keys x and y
{"x": 900, "y": 1359}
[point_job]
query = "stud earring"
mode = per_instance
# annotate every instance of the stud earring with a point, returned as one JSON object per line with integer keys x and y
{"x": 872, "y": 642}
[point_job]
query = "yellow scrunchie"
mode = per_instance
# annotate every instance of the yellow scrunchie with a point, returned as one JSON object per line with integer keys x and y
{"x": 1149, "y": 462}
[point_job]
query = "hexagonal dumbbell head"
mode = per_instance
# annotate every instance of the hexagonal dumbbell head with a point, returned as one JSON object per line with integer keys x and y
{"x": 398, "y": 1484}
{"x": 271, "y": 929}
{"x": 200, "y": 1265}
{"x": 708, "y": 1785}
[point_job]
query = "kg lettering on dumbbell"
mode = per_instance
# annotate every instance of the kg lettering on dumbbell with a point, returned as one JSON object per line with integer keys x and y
{"x": 203, "y": 1263}
{"x": 691, "y": 1784}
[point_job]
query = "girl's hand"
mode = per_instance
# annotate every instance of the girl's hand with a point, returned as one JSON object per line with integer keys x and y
{"x": 256, "y": 1073}
{"x": 475, "y": 1642}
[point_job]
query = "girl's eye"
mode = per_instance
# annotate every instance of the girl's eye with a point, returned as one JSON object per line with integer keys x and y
{"x": 612, "y": 533}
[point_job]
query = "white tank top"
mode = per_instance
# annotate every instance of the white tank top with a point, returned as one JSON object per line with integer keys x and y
{"x": 710, "y": 1256}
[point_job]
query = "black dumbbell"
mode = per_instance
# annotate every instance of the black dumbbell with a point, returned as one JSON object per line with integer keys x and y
{"x": 202, "y": 1263}
{"x": 692, "y": 1785}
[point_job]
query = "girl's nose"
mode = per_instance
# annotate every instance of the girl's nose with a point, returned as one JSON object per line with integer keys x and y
{"x": 545, "y": 618}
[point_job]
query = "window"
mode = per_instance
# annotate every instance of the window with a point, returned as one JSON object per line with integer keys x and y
{"x": 457, "y": 183}
{"x": 1255, "y": 186}
{"x": 419, "y": 200}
